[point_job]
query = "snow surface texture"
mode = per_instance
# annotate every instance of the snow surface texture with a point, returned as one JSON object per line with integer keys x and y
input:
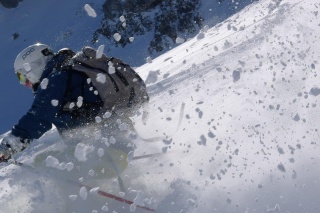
{"x": 248, "y": 140}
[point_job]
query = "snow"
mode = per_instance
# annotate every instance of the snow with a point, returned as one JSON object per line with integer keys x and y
{"x": 149, "y": 59}
{"x": 27, "y": 66}
{"x": 101, "y": 78}
{"x": 131, "y": 39}
{"x": 90, "y": 11}
{"x": 69, "y": 166}
{"x": 73, "y": 197}
{"x": 94, "y": 191}
{"x": 100, "y": 152}
{"x": 107, "y": 115}
{"x": 81, "y": 152}
{"x": 117, "y": 36}
{"x": 236, "y": 113}
{"x": 180, "y": 40}
{"x": 83, "y": 192}
{"x": 122, "y": 19}
{"x": 52, "y": 162}
{"x": 98, "y": 119}
{"x": 54, "y": 102}
{"x": 111, "y": 70}
{"x": 79, "y": 101}
{"x": 100, "y": 51}
{"x": 44, "y": 83}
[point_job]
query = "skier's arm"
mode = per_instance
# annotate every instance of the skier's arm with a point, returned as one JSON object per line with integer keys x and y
{"x": 47, "y": 103}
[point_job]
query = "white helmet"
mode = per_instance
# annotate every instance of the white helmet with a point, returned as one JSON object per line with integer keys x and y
{"x": 30, "y": 63}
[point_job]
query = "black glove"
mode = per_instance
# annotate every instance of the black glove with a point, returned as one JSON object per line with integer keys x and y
{"x": 10, "y": 145}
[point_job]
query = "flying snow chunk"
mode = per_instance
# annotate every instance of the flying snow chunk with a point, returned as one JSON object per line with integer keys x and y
{"x": 131, "y": 39}
{"x": 205, "y": 29}
{"x": 52, "y": 162}
{"x": 94, "y": 191}
{"x": 62, "y": 166}
{"x": 112, "y": 140}
{"x": 98, "y": 119}
{"x": 101, "y": 78}
{"x": 81, "y": 151}
{"x": 73, "y": 197}
{"x": 71, "y": 105}
{"x": 133, "y": 207}
{"x": 236, "y": 76}
{"x": 83, "y": 193}
{"x": 315, "y": 91}
{"x": 203, "y": 32}
{"x": 107, "y": 115}
{"x": 54, "y": 102}
{"x": 90, "y": 11}
{"x": 139, "y": 198}
{"x": 27, "y": 66}
{"x": 130, "y": 156}
{"x": 149, "y": 60}
{"x": 179, "y": 40}
{"x": 99, "y": 52}
{"x": 281, "y": 167}
{"x": 123, "y": 127}
{"x": 122, "y": 19}
{"x": 44, "y": 83}
{"x": 112, "y": 70}
{"x": 152, "y": 77}
{"x": 105, "y": 141}
{"x": 69, "y": 166}
{"x": 91, "y": 172}
{"x": 105, "y": 208}
{"x": 80, "y": 101}
{"x": 117, "y": 37}
{"x": 201, "y": 35}
{"x": 100, "y": 152}
{"x": 296, "y": 117}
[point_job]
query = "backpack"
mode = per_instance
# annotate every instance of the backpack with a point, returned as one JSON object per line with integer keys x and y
{"x": 119, "y": 86}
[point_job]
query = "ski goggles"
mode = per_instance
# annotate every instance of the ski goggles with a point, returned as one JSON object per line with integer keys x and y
{"x": 23, "y": 80}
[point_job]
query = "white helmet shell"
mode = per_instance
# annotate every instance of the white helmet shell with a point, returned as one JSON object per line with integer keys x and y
{"x": 31, "y": 61}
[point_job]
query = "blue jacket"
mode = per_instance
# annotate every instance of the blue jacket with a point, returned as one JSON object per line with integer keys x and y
{"x": 64, "y": 86}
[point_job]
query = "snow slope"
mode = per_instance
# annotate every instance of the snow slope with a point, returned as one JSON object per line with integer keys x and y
{"x": 235, "y": 110}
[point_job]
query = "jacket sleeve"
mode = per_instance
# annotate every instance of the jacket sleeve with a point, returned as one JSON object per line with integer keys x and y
{"x": 47, "y": 103}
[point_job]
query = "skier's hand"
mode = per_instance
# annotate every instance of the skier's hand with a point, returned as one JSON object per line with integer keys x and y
{"x": 10, "y": 145}
{"x": 5, "y": 153}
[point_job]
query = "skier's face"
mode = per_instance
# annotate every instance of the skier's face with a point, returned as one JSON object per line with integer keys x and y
{"x": 24, "y": 81}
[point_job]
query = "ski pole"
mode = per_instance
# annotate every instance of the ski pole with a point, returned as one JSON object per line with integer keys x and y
{"x": 100, "y": 192}
{"x": 114, "y": 197}
{"x": 151, "y": 155}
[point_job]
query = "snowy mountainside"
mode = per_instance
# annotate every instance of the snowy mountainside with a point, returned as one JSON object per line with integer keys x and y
{"x": 235, "y": 110}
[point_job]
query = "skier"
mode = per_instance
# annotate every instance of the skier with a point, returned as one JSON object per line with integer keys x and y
{"x": 63, "y": 97}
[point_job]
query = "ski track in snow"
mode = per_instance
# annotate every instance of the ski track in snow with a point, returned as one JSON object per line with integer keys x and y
{"x": 248, "y": 139}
